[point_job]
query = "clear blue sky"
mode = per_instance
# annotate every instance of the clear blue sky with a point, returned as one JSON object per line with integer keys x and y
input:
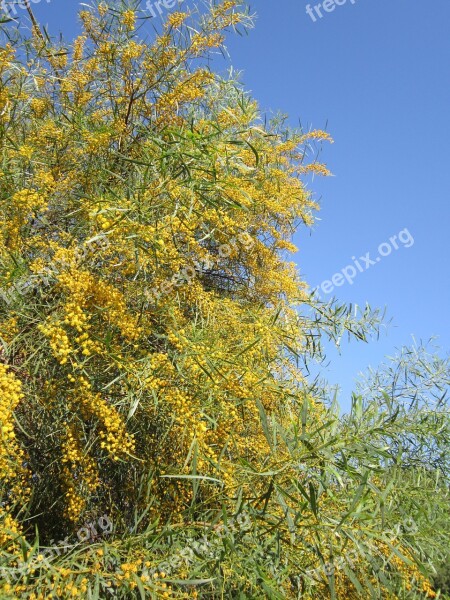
{"x": 377, "y": 71}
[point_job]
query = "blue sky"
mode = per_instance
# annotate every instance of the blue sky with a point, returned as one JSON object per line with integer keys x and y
{"x": 376, "y": 74}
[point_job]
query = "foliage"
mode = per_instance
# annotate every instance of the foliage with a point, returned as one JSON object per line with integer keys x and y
{"x": 152, "y": 338}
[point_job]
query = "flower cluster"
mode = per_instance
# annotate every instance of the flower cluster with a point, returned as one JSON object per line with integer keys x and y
{"x": 12, "y": 471}
{"x": 79, "y": 473}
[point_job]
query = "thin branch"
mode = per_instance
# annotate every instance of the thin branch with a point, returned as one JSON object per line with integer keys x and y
{"x": 34, "y": 22}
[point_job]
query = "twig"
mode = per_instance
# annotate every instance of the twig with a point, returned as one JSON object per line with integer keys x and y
{"x": 34, "y": 22}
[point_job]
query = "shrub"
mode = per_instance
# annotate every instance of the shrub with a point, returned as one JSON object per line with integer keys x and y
{"x": 155, "y": 413}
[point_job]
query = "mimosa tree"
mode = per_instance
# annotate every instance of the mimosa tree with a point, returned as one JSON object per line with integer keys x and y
{"x": 152, "y": 336}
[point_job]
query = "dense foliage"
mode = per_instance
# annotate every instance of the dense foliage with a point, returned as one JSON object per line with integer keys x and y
{"x": 155, "y": 410}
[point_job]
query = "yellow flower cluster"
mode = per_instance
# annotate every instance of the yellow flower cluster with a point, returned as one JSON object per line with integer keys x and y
{"x": 79, "y": 474}
{"x": 58, "y": 340}
{"x": 86, "y": 292}
{"x": 113, "y": 434}
{"x": 45, "y": 181}
{"x": 22, "y": 206}
{"x": 192, "y": 88}
{"x": 75, "y": 316}
{"x": 97, "y": 141}
{"x": 9, "y": 329}
{"x": 200, "y": 42}
{"x": 6, "y": 55}
{"x": 114, "y": 310}
{"x": 12, "y": 471}
{"x": 39, "y": 106}
{"x": 78, "y": 47}
{"x": 409, "y": 572}
{"x": 115, "y": 439}
{"x": 129, "y": 19}
{"x": 317, "y": 134}
{"x": 176, "y": 19}
{"x": 10, "y": 531}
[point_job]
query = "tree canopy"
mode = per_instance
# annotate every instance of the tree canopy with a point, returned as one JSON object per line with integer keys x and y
{"x": 155, "y": 338}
